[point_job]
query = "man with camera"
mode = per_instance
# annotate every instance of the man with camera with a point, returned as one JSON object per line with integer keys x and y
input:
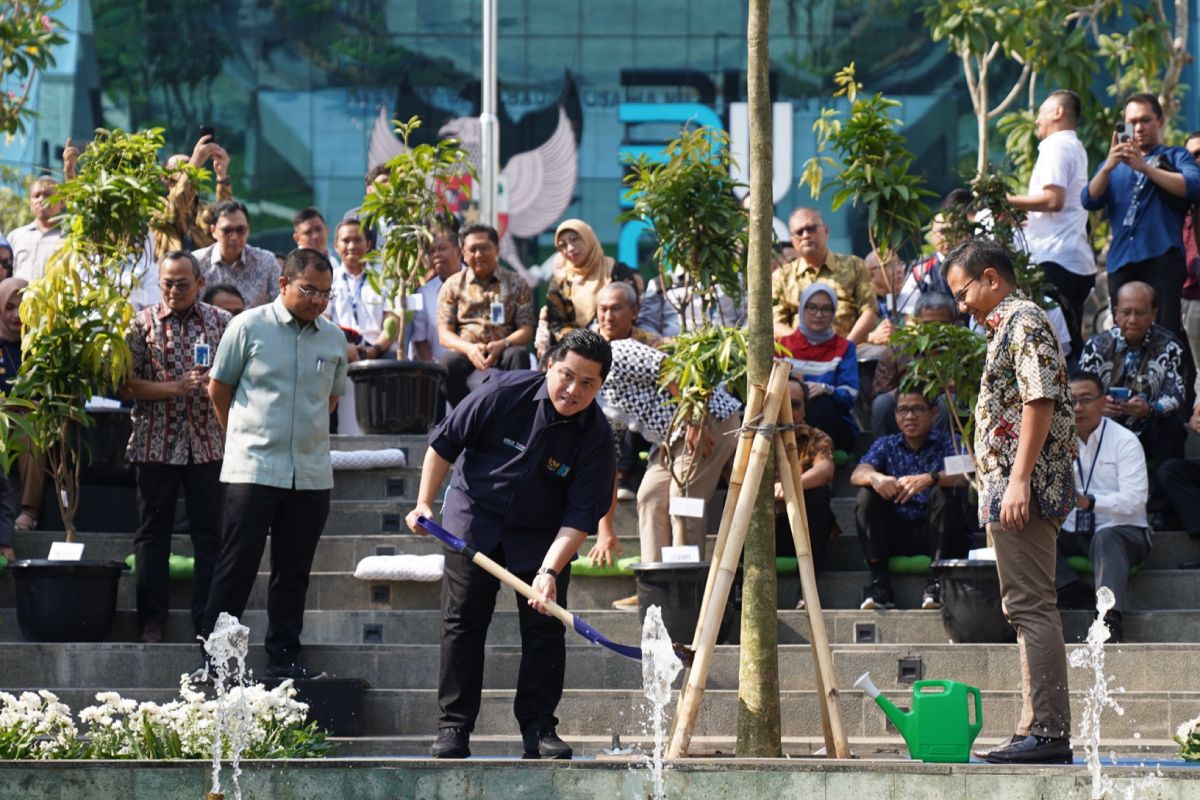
{"x": 1108, "y": 524}
{"x": 1146, "y": 189}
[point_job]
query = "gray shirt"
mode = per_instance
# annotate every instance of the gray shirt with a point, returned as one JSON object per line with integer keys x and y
{"x": 283, "y": 376}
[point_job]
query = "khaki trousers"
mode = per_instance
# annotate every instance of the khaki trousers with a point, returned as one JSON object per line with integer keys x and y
{"x": 1025, "y": 560}
{"x": 658, "y": 487}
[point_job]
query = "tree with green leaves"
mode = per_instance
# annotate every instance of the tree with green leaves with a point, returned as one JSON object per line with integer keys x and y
{"x": 28, "y": 36}
{"x": 76, "y": 315}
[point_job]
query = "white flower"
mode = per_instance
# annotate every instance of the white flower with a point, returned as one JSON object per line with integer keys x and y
{"x": 1185, "y": 729}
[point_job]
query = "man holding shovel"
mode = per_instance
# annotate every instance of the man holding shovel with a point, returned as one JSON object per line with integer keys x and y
{"x": 533, "y": 474}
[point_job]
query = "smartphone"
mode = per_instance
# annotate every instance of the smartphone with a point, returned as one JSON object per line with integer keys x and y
{"x": 1119, "y": 393}
{"x": 1123, "y": 134}
{"x": 209, "y": 130}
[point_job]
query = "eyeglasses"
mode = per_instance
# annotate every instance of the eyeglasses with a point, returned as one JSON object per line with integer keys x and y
{"x": 234, "y": 230}
{"x": 812, "y": 308}
{"x": 183, "y": 284}
{"x": 805, "y": 229}
{"x": 1084, "y": 400}
{"x": 911, "y": 411}
{"x": 961, "y": 295}
{"x": 314, "y": 294}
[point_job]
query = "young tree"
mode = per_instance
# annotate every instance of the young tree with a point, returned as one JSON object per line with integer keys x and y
{"x": 27, "y": 37}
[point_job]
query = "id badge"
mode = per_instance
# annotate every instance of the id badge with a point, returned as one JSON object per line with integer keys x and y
{"x": 497, "y": 313}
{"x": 203, "y": 354}
{"x": 1085, "y": 522}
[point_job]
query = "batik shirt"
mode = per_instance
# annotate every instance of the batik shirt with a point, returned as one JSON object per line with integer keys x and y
{"x": 849, "y": 277}
{"x": 465, "y": 305}
{"x": 1153, "y": 372}
{"x": 162, "y": 348}
{"x": 1024, "y": 363}
{"x": 892, "y": 455}
{"x": 255, "y": 274}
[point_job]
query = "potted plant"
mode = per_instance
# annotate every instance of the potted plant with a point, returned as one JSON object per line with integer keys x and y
{"x": 75, "y": 319}
{"x": 687, "y": 198}
{"x": 401, "y": 396}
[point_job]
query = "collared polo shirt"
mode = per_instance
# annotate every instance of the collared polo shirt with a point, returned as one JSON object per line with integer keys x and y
{"x": 255, "y": 274}
{"x": 1061, "y": 236}
{"x": 283, "y": 376}
{"x": 32, "y": 248}
{"x": 522, "y": 471}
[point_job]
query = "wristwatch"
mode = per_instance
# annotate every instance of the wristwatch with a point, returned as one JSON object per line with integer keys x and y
{"x": 937, "y": 476}
{"x": 551, "y": 571}
{"x": 1091, "y": 498}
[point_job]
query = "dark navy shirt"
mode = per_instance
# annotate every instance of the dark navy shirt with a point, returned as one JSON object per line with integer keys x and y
{"x": 891, "y": 455}
{"x": 1146, "y": 221}
{"x": 522, "y": 471}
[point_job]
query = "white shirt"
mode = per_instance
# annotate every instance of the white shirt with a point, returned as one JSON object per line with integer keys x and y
{"x": 1119, "y": 482}
{"x": 424, "y": 321}
{"x": 32, "y": 250}
{"x": 1061, "y": 236}
{"x": 355, "y": 304}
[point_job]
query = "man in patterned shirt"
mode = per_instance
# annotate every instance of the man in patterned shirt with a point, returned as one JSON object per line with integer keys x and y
{"x": 232, "y": 260}
{"x": 177, "y": 440}
{"x": 485, "y": 314}
{"x": 848, "y": 275}
{"x": 1025, "y": 446}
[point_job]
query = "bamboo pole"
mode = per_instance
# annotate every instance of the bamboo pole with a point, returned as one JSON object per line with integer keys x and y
{"x": 741, "y": 458}
{"x": 790, "y": 475}
{"x": 710, "y": 623}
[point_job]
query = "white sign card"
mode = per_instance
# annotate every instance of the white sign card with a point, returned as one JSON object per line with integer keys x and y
{"x": 982, "y": 554}
{"x": 685, "y": 554}
{"x": 416, "y": 302}
{"x": 687, "y": 507}
{"x": 959, "y": 465}
{"x": 66, "y": 551}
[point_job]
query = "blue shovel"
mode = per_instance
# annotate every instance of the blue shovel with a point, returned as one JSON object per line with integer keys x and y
{"x": 566, "y": 617}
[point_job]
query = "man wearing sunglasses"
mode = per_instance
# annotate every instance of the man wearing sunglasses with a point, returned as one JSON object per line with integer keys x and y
{"x": 233, "y": 261}
{"x": 285, "y": 365}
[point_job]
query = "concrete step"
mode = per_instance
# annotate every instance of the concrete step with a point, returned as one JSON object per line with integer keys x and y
{"x": 1141, "y": 667}
{"x": 843, "y": 626}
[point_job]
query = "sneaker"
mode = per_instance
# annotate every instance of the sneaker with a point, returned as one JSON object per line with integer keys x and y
{"x": 626, "y": 603}
{"x": 202, "y": 675}
{"x": 625, "y": 494}
{"x": 292, "y": 671}
{"x": 932, "y": 599}
{"x": 451, "y": 743}
{"x": 542, "y": 742}
{"x": 878, "y": 595}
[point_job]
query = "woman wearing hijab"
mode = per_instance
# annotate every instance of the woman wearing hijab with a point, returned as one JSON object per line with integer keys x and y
{"x": 580, "y": 272}
{"x": 829, "y": 365}
{"x": 14, "y": 514}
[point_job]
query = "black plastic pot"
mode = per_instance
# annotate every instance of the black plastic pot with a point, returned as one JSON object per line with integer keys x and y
{"x": 677, "y": 588}
{"x": 66, "y": 601}
{"x": 396, "y": 397}
{"x": 971, "y": 609}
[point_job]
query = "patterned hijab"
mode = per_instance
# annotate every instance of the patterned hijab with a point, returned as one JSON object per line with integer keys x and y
{"x": 581, "y": 283}
{"x": 815, "y": 337}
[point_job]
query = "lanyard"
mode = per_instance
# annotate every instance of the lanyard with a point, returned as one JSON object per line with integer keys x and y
{"x": 354, "y": 298}
{"x": 1079, "y": 463}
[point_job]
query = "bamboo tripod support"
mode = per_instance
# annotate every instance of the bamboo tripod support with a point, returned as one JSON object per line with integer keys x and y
{"x": 722, "y": 579}
{"x": 790, "y": 474}
{"x": 754, "y": 448}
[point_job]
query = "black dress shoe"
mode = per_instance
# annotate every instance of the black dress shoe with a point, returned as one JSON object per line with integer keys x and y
{"x": 1116, "y": 631}
{"x": 542, "y": 742}
{"x": 451, "y": 743}
{"x": 1032, "y": 750}
{"x": 1192, "y": 564}
{"x": 983, "y": 751}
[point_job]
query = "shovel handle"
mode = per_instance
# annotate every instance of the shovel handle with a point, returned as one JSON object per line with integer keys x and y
{"x": 522, "y": 588}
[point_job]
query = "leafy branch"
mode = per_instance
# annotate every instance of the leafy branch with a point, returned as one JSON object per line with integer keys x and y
{"x": 27, "y": 37}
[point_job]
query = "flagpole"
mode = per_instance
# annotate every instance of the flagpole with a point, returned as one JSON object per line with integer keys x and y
{"x": 489, "y": 123}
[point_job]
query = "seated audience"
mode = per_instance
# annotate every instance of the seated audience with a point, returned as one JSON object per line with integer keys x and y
{"x": 6, "y": 259}
{"x": 445, "y": 260}
{"x": 905, "y": 506}
{"x": 485, "y": 314}
{"x": 31, "y": 466}
{"x": 1180, "y": 482}
{"x": 656, "y": 315}
{"x": 925, "y": 277}
{"x": 581, "y": 270}
{"x": 828, "y": 364}
{"x": 1108, "y": 523}
{"x": 232, "y": 260}
{"x": 931, "y": 307}
{"x": 814, "y": 450}
{"x": 225, "y": 297}
{"x": 1141, "y": 365}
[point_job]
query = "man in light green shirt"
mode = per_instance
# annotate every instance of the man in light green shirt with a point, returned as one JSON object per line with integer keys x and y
{"x": 275, "y": 379}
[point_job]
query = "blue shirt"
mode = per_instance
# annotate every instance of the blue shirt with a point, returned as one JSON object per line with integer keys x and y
{"x": 1146, "y": 220}
{"x": 891, "y": 455}
{"x": 522, "y": 471}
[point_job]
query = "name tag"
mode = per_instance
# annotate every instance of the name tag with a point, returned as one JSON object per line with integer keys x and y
{"x": 687, "y": 507}
{"x": 66, "y": 551}
{"x": 514, "y": 444}
{"x": 959, "y": 465}
{"x": 685, "y": 554}
{"x": 497, "y": 310}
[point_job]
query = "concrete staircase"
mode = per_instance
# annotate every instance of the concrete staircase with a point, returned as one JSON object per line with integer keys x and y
{"x": 387, "y": 634}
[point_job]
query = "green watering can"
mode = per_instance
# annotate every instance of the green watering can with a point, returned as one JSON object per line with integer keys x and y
{"x": 939, "y": 727}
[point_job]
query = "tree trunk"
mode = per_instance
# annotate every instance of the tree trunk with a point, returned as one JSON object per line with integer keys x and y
{"x": 981, "y": 117}
{"x": 758, "y": 680}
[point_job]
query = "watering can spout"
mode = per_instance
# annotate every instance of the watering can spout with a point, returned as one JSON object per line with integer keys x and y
{"x": 903, "y": 720}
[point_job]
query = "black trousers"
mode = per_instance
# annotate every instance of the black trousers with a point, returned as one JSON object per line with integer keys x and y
{"x": 883, "y": 533}
{"x": 1180, "y": 481}
{"x": 459, "y": 369}
{"x": 826, "y": 415}
{"x": 294, "y": 518}
{"x": 820, "y": 526}
{"x": 157, "y": 490}
{"x": 468, "y": 600}
{"x": 1166, "y": 273}
{"x": 1074, "y": 289}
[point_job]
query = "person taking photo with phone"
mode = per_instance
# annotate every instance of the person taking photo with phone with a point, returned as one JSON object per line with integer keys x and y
{"x": 1146, "y": 189}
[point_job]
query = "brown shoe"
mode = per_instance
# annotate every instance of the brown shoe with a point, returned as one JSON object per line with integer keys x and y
{"x": 152, "y": 633}
{"x": 626, "y": 603}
